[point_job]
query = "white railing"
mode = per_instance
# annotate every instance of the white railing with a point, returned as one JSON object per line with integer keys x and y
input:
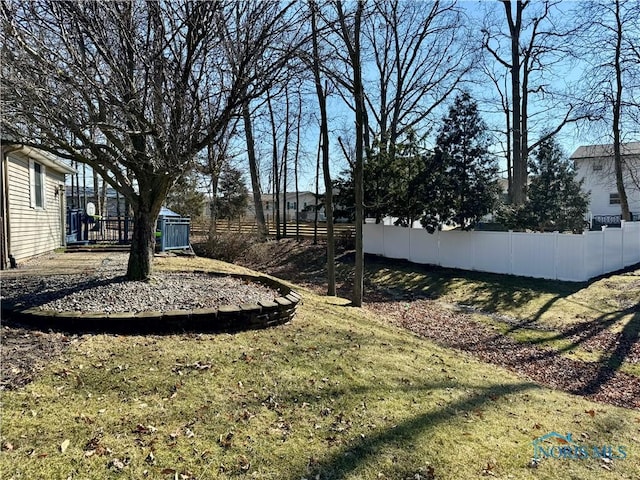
{"x": 555, "y": 255}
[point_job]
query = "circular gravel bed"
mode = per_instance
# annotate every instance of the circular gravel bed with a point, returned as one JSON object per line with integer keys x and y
{"x": 164, "y": 292}
{"x": 109, "y": 294}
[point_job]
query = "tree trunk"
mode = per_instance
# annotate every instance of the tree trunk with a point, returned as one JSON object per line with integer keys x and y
{"x": 328, "y": 205}
{"x": 324, "y": 134}
{"x": 617, "y": 104}
{"x": 317, "y": 196}
{"x": 358, "y": 180}
{"x": 255, "y": 176}
{"x": 509, "y": 151}
{"x": 146, "y": 207}
{"x": 518, "y": 189}
{"x": 274, "y": 167}
{"x": 285, "y": 159}
{"x": 96, "y": 193}
{"x": 142, "y": 245}
{"x": 213, "y": 207}
{"x": 295, "y": 166}
{"x": 104, "y": 205}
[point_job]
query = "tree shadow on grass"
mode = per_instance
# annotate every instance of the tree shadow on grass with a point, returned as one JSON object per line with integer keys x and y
{"x": 357, "y": 453}
{"x": 614, "y": 359}
{"x": 487, "y": 292}
{"x": 36, "y": 291}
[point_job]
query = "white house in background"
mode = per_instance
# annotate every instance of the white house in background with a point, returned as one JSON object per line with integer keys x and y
{"x": 594, "y": 164}
{"x": 32, "y": 203}
{"x": 306, "y": 200}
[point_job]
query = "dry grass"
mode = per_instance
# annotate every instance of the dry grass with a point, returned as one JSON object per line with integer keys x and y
{"x": 338, "y": 393}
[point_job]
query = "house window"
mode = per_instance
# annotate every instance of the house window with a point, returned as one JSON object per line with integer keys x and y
{"x": 291, "y": 205}
{"x": 614, "y": 199}
{"x": 267, "y": 206}
{"x": 37, "y": 184}
{"x": 597, "y": 167}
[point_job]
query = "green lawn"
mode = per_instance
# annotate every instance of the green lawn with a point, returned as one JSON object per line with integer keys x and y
{"x": 338, "y": 394}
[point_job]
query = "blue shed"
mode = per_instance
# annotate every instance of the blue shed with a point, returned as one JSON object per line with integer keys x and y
{"x": 172, "y": 231}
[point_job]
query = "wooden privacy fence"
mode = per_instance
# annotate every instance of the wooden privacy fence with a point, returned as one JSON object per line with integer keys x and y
{"x": 555, "y": 255}
{"x": 341, "y": 230}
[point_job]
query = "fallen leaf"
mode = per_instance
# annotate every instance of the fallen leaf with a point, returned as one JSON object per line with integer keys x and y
{"x": 64, "y": 445}
{"x": 590, "y": 412}
{"x": 117, "y": 464}
{"x": 92, "y": 444}
{"x": 7, "y": 446}
{"x": 243, "y": 463}
{"x": 225, "y": 440}
{"x": 488, "y": 470}
{"x": 145, "y": 430}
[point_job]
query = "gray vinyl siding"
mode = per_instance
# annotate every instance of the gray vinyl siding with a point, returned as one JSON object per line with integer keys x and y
{"x": 33, "y": 230}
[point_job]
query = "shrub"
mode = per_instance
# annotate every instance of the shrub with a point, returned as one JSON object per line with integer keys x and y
{"x": 227, "y": 246}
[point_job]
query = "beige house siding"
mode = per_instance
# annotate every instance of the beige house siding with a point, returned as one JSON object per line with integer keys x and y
{"x": 34, "y": 230}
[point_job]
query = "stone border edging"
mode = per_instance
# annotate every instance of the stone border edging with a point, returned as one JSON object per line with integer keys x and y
{"x": 226, "y": 318}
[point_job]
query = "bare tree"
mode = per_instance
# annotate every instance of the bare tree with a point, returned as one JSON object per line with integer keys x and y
{"x": 610, "y": 35}
{"x": 254, "y": 171}
{"x": 156, "y": 81}
{"x": 500, "y": 101}
{"x": 349, "y": 31}
{"x": 210, "y": 164}
{"x": 421, "y": 52}
{"x": 284, "y": 163}
{"x": 321, "y": 94}
{"x": 275, "y": 171}
{"x": 534, "y": 43}
{"x": 296, "y": 164}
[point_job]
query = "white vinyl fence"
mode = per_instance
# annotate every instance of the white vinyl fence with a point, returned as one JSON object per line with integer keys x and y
{"x": 558, "y": 256}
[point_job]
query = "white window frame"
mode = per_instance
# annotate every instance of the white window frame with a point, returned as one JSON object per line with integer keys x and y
{"x": 33, "y": 197}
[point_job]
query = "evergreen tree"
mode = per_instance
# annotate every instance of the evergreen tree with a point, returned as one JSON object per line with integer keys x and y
{"x": 412, "y": 181}
{"x": 185, "y": 198}
{"x": 469, "y": 188}
{"x": 395, "y": 183}
{"x": 555, "y": 201}
{"x": 233, "y": 195}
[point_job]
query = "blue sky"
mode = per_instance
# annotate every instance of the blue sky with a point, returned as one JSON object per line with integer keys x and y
{"x": 341, "y": 118}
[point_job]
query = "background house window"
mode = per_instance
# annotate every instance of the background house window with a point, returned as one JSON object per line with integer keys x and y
{"x": 614, "y": 199}
{"x": 597, "y": 167}
{"x": 37, "y": 184}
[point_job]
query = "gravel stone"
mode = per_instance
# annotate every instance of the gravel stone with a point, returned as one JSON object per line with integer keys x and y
{"x": 107, "y": 290}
